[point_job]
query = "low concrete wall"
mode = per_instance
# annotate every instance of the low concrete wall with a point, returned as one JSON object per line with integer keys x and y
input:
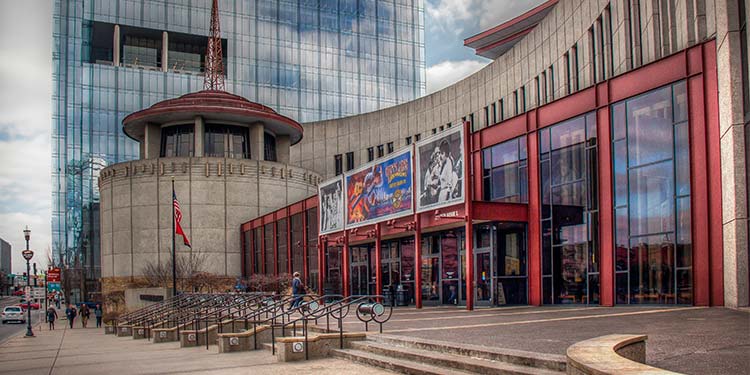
{"x": 138, "y": 298}
{"x": 124, "y": 330}
{"x": 318, "y": 346}
{"x": 611, "y": 354}
{"x": 244, "y": 341}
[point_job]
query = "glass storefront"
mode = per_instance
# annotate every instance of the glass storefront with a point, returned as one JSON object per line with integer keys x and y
{"x": 651, "y": 157}
{"x": 570, "y": 250}
{"x": 312, "y": 249}
{"x": 505, "y": 172}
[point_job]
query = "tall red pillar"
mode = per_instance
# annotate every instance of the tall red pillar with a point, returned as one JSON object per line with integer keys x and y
{"x": 535, "y": 236}
{"x": 606, "y": 209}
{"x": 378, "y": 262}
{"x": 417, "y": 261}
{"x": 468, "y": 208}
{"x": 345, "y": 284}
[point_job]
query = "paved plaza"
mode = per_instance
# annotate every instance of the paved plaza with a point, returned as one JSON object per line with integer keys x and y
{"x": 691, "y": 340}
{"x": 89, "y": 351}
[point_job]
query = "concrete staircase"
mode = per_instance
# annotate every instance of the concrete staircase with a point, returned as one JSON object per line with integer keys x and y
{"x": 420, "y": 356}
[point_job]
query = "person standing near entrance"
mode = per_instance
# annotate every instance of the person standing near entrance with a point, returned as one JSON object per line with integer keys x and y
{"x": 98, "y": 314}
{"x": 51, "y": 317}
{"x": 70, "y": 313}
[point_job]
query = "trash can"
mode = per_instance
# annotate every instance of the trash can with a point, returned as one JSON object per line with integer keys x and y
{"x": 388, "y": 296}
{"x": 402, "y": 296}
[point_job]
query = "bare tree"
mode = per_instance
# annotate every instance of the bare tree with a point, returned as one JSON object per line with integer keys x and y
{"x": 188, "y": 269}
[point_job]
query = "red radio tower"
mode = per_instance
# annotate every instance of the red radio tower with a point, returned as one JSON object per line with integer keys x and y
{"x": 213, "y": 78}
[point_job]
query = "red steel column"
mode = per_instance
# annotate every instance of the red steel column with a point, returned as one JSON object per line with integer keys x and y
{"x": 699, "y": 193}
{"x": 378, "y": 261}
{"x": 345, "y": 287}
{"x": 716, "y": 252}
{"x": 262, "y": 249}
{"x": 469, "y": 196}
{"x": 305, "y": 266}
{"x": 275, "y": 248}
{"x": 289, "y": 242}
{"x": 606, "y": 210}
{"x": 321, "y": 264}
{"x": 534, "y": 237}
{"x": 417, "y": 261}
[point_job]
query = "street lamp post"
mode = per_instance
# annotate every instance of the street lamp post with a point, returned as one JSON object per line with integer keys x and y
{"x": 28, "y": 254}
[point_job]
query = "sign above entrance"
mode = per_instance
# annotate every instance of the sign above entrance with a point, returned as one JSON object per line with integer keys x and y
{"x": 380, "y": 191}
{"x": 331, "y": 205}
{"x": 440, "y": 170}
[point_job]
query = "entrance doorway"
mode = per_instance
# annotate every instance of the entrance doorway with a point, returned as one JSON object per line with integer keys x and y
{"x": 443, "y": 279}
{"x": 360, "y": 270}
{"x": 500, "y": 271}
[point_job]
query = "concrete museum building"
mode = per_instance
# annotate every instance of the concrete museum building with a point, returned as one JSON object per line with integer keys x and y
{"x": 599, "y": 159}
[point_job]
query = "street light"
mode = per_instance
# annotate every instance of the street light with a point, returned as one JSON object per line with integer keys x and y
{"x": 28, "y": 254}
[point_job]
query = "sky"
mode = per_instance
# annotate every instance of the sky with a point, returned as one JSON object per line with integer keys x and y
{"x": 26, "y": 99}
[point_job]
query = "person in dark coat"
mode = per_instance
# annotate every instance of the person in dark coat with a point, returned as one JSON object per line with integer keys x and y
{"x": 71, "y": 313}
{"x": 98, "y": 314}
{"x": 51, "y": 317}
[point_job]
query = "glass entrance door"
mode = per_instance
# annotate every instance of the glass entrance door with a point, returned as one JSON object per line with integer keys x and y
{"x": 360, "y": 271}
{"x": 484, "y": 267}
{"x": 483, "y": 277}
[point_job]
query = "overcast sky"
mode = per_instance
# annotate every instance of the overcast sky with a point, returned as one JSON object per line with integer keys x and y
{"x": 26, "y": 84}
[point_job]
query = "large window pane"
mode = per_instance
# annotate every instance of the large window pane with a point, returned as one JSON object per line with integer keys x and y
{"x": 652, "y": 269}
{"x": 652, "y": 199}
{"x": 650, "y": 127}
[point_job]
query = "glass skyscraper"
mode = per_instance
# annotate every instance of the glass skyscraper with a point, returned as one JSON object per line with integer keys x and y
{"x": 308, "y": 59}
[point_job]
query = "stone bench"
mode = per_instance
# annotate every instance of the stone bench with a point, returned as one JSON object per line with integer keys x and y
{"x": 318, "y": 346}
{"x": 160, "y": 335}
{"x": 124, "y": 330}
{"x": 244, "y": 341}
{"x": 140, "y": 332}
{"x": 611, "y": 354}
{"x": 109, "y": 329}
{"x": 198, "y": 337}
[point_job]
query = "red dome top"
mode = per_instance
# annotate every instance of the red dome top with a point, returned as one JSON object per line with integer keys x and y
{"x": 214, "y": 107}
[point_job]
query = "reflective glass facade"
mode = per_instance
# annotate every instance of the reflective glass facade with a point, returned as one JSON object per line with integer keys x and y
{"x": 570, "y": 250}
{"x": 651, "y": 157}
{"x": 308, "y": 59}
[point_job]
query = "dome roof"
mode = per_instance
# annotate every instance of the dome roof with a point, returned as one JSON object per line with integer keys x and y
{"x": 214, "y": 107}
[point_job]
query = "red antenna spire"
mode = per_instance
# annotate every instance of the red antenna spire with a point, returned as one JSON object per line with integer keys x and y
{"x": 213, "y": 78}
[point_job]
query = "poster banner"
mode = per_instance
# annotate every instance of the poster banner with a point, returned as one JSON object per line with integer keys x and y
{"x": 440, "y": 170}
{"x": 379, "y": 191}
{"x": 331, "y": 205}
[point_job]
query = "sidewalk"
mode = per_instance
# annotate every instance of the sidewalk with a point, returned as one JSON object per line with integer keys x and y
{"x": 89, "y": 351}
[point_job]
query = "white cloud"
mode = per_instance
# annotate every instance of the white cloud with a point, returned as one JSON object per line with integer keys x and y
{"x": 448, "y": 72}
{"x": 494, "y": 12}
{"x": 448, "y": 15}
{"x": 469, "y": 17}
{"x": 25, "y": 104}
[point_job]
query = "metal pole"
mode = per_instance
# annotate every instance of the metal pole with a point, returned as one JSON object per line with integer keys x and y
{"x": 29, "y": 332}
{"x": 46, "y": 300}
{"x": 174, "y": 253}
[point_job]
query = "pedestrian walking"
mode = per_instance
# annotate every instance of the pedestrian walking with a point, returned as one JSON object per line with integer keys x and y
{"x": 98, "y": 313}
{"x": 57, "y": 300}
{"x": 51, "y": 317}
{"x": 298, "y": 290}
{"x": 85, "y": 314}
{"x": 70, "y": 313}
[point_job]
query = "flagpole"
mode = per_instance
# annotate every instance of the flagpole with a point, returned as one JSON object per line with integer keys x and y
{"x": 174, "y": 253}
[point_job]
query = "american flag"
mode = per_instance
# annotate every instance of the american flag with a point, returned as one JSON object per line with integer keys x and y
{"x": 177, "y": 219}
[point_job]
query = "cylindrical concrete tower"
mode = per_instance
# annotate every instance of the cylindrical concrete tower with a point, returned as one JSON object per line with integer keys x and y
{"x": 229, "y": 159}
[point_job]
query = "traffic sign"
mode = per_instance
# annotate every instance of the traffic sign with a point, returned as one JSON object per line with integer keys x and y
{"x": 27, "y": 254}
{"x": 53, "y": 275}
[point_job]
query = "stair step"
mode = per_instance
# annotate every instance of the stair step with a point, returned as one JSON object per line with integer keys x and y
{"x": 393, "y": 364}
{"x": 448, "y": 360}
{"x": 546, "y": 361}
